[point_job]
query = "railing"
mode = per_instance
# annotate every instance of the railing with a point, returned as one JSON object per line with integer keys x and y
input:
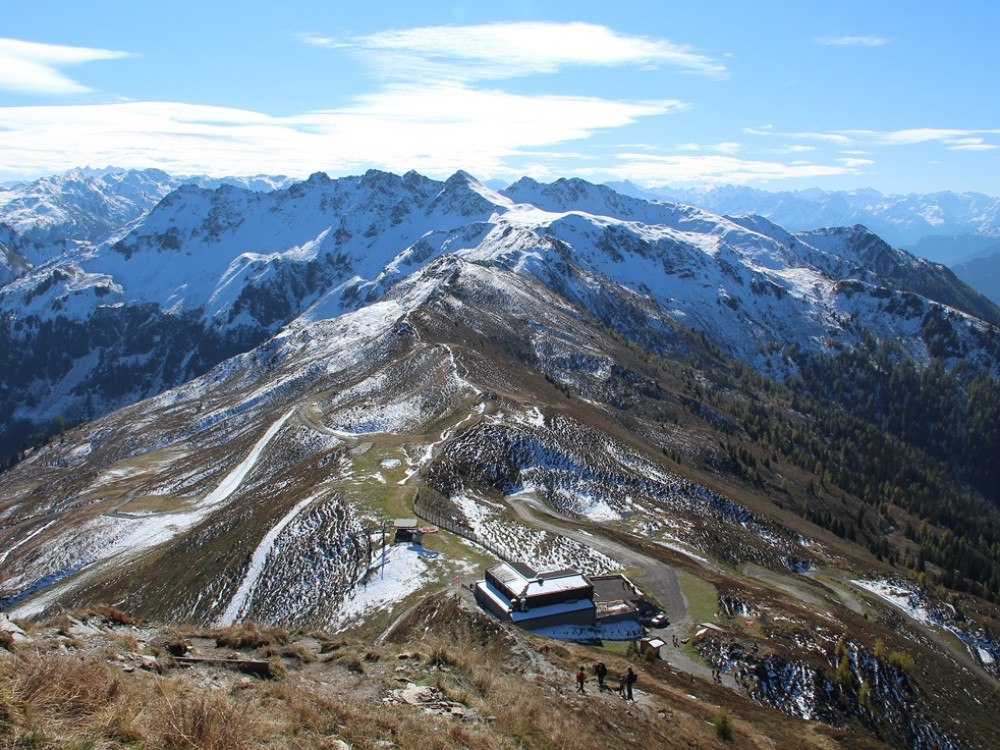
{"x": 453, "y": 525}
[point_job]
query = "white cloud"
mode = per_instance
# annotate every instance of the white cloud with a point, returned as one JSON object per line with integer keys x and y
{"x": 968, "y": 143}
{"x": 32, "y": 68}
{"x": 436, "y": 130}
{"x": 951, "y": 137}
{"x": 768, "y": 131}
{"x": 713, "y": 169}
{"x": 905, "y": 137}
{"x": 726, "y": 147}
{"x": 854, "y": 41}
{"x": 851, "y": 162}
{"x": 505, "y": 50}
{"x": 972, "y": 147}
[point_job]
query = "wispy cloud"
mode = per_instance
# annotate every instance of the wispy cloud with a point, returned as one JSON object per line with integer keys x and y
{"x": 853, "y": 41}
{"x": 852, "y": 162}
{"x": 436, "y": 130}
{"x": 725, "y": 147}
{"x": 33, "y": 68}
{"x": 656, "y": 171}
{"x": 951, "y": 138}
{"x": 506, "y": 50}
{"x": 835, "y": 138}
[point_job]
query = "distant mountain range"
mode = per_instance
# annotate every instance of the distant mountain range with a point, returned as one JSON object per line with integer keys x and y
{"x": 960, "y": 230}
{"x": 39, "y": 219}
{"x": 944, "y": 227}
{"x": 215, "y": 400}
{"x": 982, "y": 274}
{"x": 123, "y": 284}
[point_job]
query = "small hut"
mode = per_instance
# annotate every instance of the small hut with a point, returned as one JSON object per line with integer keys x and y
{"x": 407, "y": 530}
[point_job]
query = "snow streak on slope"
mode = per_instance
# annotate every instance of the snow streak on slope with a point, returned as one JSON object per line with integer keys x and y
{"x": 233, "y": 480}
{"x": 244, "y": 594}
{"x": 109, "y": 536}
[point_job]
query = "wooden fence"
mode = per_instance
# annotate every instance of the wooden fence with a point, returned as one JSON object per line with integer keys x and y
{"x": 455, "y": 526}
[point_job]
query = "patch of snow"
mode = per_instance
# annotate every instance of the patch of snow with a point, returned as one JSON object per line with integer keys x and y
{"x": 81, "y": 450}
{"x": 908, "y": 600}
{"x": 233, "y": 480}
{"x": 401, "y": 571}
{"x": 684, "y": 551}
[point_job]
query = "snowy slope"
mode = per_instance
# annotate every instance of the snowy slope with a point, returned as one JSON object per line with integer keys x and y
{"x": 207, "y": 273}
{"x": 79, "y": 205}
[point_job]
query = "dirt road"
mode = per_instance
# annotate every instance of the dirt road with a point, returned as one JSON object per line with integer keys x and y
{"x": 656, "y": 577}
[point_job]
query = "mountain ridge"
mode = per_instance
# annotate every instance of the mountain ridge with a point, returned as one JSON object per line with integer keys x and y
{"x": 240, "y": 264}
{"x": 935, "y": 223}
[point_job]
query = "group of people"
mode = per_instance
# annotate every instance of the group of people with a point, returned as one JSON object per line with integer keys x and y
{"x": 625, "y": 680}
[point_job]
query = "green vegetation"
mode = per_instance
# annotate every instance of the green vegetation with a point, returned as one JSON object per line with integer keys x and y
{"x": 878, "y": 437}
{"x": 723, "y": 724}
{"x": 702, "y": 597}
{"x": 924, "y": 441}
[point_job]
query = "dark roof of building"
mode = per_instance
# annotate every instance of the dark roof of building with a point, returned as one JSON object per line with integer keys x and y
{"x": 524, "y": 569}
{"x": 613, "y": 588}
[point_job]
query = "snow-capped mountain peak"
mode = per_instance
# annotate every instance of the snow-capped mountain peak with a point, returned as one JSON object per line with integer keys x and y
{"x": 240, "y": 264}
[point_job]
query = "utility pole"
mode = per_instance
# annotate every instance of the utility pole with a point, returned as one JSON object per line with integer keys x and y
{"x": 382, "y": 563}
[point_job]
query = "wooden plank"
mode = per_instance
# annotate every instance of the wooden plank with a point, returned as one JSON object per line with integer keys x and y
{"x": 251, "y": 666}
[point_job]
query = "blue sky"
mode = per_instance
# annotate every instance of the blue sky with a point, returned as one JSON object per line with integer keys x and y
{"x": 899, "y": 96}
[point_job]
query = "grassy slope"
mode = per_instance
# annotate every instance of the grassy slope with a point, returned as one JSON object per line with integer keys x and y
{"x": 328, "y": 689}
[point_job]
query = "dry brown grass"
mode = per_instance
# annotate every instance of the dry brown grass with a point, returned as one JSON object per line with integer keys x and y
{"x": 527, "y": 699}
{"x": 207, "y": 722}
{"x": 55, "y": 700}
{"x": 250, "y": 635}
{"x": 111, "y": 615}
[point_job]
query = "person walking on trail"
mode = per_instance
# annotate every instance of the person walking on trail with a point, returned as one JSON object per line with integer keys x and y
{"x": 580, "y": 679}
{"x": 621, "y": 684}
{"x": 630, "y": 678}
{"x": 601, "y": 670}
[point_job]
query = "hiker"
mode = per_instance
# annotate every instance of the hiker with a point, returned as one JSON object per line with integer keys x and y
{"x": 621, "y": 684}
{"x": 580, "y": 679}
{"x": 630, "y": 678}
{"x": 601, "y": 670}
